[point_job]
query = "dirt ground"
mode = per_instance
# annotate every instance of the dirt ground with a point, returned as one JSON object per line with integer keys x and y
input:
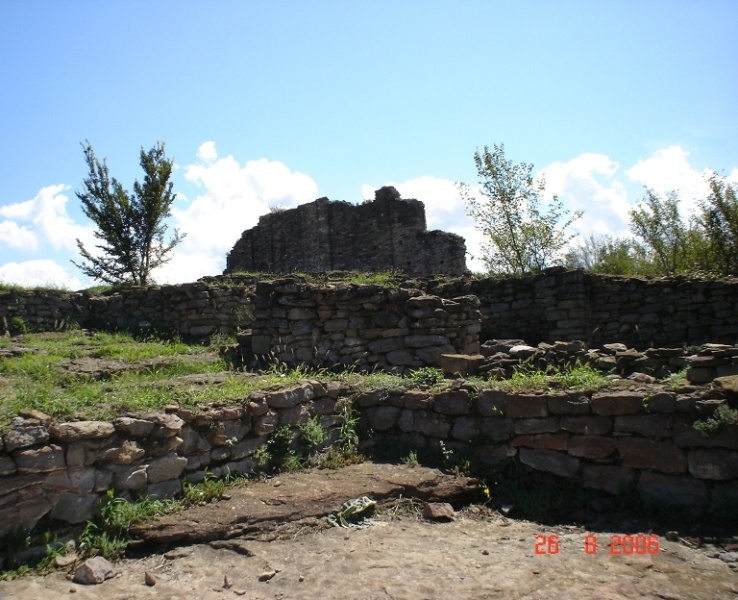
{"x": 269, "y": 540}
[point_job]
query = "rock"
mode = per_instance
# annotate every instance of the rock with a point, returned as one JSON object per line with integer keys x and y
{"x": 439, "y": 511}
{"x": 267, "y": 575}
{"x": 728, "y": 383}
{"x": 94, "y": 571}
{"x": 81, "y": 430}
{"x": 522, "y": 351}
{"x": 149, "y": 579}
{"x": 24, "y": 437}
{"x": 235, "y": 545}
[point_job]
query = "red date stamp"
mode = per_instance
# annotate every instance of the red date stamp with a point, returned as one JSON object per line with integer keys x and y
{"x": 618, "y": 544}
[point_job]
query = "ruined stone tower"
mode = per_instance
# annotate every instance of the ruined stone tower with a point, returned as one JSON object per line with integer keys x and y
{"x": 386, "y": 233}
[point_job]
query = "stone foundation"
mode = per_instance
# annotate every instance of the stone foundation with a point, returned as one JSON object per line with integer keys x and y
{"x": 613, "y": 441}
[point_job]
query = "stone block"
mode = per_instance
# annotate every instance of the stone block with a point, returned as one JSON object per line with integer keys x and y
{"x": 132, "y": 427}
{"x": 713, "y": 464}
{"x": 492, "y": 455}
{"x": 73, "y": 508}
{"x": 651, "y": 454}
{"x": 382, "y": 418}
{"x": 465, "y": 428}
{"x": 526, "y": 406}
{"x": 23, "y": 515}
{"x": 432, "y": 424}
{"x": 587, "y": 425}
{"x": 125, "y": 454}
{"x": 40, "y": 460}
{"x": 679, "y": 490}
{"x": 290, "y": 397}
{"x": 7, "y": 466}
{"x": 23, "y": 437}
{"x": 130, "y": 478}
{"x": 164, "y": 489}
{"x": 497, "y": 428}
{"x": 491, "y": 403}
{"x": 166, "y": 467}
{"x": 549, "y": 461}
{"x": 461, "y": 364}
{"x": 531, "y": 426}
{"x": 617, "y": 403}
{"x": 81, "y": 430}
{"x": 402, "y": 358}
{"x": 593, "y": 447}
{"x": 453, "y": 402}
{"x": 423, "y": 341}
{"x": 227, "y": 432}
{"x": 545, "y": 441}
{"x": 609, "y": 478}
{"x": 653, "y": 425}
{"x": 417, "y": 400}
{"x": 662, "y": 402}
{"x": 294, "y": 416}
{"x": 166, "y": 425}
{"x": 568, "y": 405}
{"x": 78, "y": 481}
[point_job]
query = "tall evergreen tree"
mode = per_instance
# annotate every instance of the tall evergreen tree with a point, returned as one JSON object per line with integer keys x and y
{"x": 131, "y": 226}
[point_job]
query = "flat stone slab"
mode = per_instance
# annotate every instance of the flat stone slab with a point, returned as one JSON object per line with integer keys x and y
{"x": 256, "y": 510}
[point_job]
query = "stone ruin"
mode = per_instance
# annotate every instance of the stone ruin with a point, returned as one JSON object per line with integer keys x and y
{"x": 322, "y": 236}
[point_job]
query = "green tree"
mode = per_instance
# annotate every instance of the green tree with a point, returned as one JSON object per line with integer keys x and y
{"x": 719, "y": 222}
{"x": 611, "y": 256}
{"x": 521, "y": 237}
{"x": 671, "y": 242}
{"x": 131, "y": 226}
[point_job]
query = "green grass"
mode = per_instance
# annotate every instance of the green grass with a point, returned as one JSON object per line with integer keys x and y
{"x": 581, "y": 377}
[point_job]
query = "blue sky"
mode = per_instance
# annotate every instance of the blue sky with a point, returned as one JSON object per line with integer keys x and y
{"x": 267, "y": 103}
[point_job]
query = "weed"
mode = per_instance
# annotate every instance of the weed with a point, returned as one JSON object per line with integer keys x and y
{"x": 107, "y": 534}
{"x": 723, "y": 416}
{"x": 312, "y": 435}
{"x": 426, "y": 376}
{"x": 204, "y": 492}
{"x": 454, "y": 461}
{"x": 411, "y": 460}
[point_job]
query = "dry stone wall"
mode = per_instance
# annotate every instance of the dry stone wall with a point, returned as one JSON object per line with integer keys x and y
{"x": 611, "y": 441}
{"x": 388, "y": 233}
{"x": 553, "y": 306}
{"x": 193, "y": 310}
{"x": 366, "y": 326}
{"x": 560, "y": 305}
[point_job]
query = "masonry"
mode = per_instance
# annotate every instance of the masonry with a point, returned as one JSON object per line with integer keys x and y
{"x": 322, "y": 236}
{"x": 613, "y": 441}
{"x": 548, "y": 307}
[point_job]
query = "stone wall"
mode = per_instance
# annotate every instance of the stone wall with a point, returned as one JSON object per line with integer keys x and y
{"x": 611, "y": 441}
{"x": 367, "y": 326}
{"x": 553, "y": 306}
{"x": 561, "y": 305}
{"x": 193, "y": 311}
{"x": 322, "y": 236}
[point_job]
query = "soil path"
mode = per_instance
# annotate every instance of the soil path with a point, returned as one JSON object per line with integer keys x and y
{"x": 274, "y": 527}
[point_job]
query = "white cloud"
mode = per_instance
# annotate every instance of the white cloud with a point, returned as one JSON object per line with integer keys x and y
{"x": 15, "y": 236}
{"x": 668, "y": 169}
{"x": 47, "y": 214}
{"x": 34, "y": 273}
{"x": 234, "y": 199}
{"x": 588, "y": 183}
{"x": 207, "y": 153}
